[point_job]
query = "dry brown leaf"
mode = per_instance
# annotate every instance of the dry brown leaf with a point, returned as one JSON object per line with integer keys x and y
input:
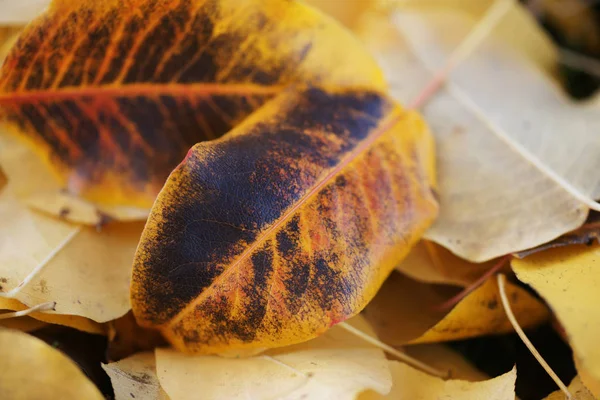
{"x": 73, "y": 321}
{"x": 337, "y": 365}
{"x": 432, "y": 263}
{"x": 135, "y": 378}
{"x": 404, "y": 311}
{"x": 506, "y": 179}
{"x": 577, "y": 390}
{"x": 411, "y": 384}
{"x": 31, "y": 369}
{"x": 568, "y": 279}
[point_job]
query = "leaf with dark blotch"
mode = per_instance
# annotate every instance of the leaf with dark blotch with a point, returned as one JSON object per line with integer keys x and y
{"x": 287, "y": 225}
{"x": 113, "y": 93}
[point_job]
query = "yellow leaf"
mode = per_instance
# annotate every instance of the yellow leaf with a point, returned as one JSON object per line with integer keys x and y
{"x": 85, "y": 272}
{"x": 432, "y": 263}
{"x": 35, "y": 186}
{"x": 404, "y": 311}
{"x": 25, "y": 324}
{"x": 415, "y": 385}
{"x": 568, "y": 279}
{"x": 73, "y": 321}
{"x": 288, "y": 225}
{"x": 506, "y": 181}
{"x": 336, "y": 365}
{"x": 30, "y": 369}
{"x": 135, "y": 378}
{"x": 577, "y": 390}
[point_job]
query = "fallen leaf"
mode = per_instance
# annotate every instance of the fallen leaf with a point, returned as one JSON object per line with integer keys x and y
{"x": 337, "y": 365}
{"x": 416, "y": 385}
{"x": 135, "y": 378}
{"x": 291, "y": 237}
{"x": 137, "y": 83}
{"x": 87, "y": 273}
{"x": 20, "y": 12}
{"x": 577, "y": 390}
{"x": 432, "y": 263}
{"x": 405, "y": 311}
{"x": 568, "y": 279}
{"x": 507, "y": 181}
{"x": 24, "y": 324}
{"x": 73, "y": 321}
{"x": 30, "y": 369}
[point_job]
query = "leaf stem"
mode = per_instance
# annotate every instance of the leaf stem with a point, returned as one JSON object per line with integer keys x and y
{"x": 390, "y": 350}
{"x": 525, "y": 339}
{"x": 40, "y": 307}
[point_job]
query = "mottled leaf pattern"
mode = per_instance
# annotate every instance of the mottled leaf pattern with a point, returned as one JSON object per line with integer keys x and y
{"x": 113, "y": 93}
{"x": 287, "y": 225}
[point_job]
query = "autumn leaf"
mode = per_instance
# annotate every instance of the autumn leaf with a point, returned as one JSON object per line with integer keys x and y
{"x": 568, "y": 278}
{"x": 287, "y": 225}
{"x": 31, "y": 369}
{"x": 87, "y": 273}
{"x": 507, "y": 178}
{"x": 432, "y": 263}
{"x": 73, "y": 321}
{"x": 405, "y": 311}
{"x": 412, "y": 384}
{"x": 337, "y": 365}
{"x": 114, "y": 93}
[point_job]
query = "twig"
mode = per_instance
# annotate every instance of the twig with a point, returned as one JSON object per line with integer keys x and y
{"x": 466, "y": 291}
{"x": 40, "y": 307}
{"x": 580, "y": 62}
{"x": 525, "y": 339}
{"x": 390, "y": 350}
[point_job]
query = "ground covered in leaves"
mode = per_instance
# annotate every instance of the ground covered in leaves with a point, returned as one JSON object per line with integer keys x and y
{"x": 264, "y": 199}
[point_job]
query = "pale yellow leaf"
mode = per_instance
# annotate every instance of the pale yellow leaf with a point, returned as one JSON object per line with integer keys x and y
{"x": 20, "y": 11}
{"x": 73, "y": 321}
{"x": 135, "y": 378}
{"x": 410, "y": 384}
{"x": 85, "y": 272}
{"x": 432, "y": 263}
{"x": 335, "y": 366}
{"x": 444, "y": 358}
{"x": 577, "y": 390}
{"x": 25, "y": 324}
{"x": 405, "y": 311}
{"x": 30, "y": 369}
{"x": 568, "y": 279}
{"x": 34, "y": 185}
{"x": 508, "y": 180}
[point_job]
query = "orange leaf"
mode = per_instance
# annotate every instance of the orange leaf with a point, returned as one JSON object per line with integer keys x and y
{"x": 287, "y": 225}
{"x": 113, "y": 93}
